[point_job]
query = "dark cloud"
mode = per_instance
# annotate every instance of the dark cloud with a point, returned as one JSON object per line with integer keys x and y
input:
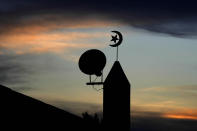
{"x": 11, "y": 71}
{"x": 156, "y": 121}
{"x": 162, "y": 124}
{"x": 23, "y": 72}
{"x": 18, "y": 68}
{"x": 22, "y": 88}
{"x": 175, "y": 17}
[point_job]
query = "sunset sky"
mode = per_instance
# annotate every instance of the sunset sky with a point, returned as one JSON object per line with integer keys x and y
{"x": 41, "y": 42}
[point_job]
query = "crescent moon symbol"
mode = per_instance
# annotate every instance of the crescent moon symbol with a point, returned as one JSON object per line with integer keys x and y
{"x": 120, "y": 39}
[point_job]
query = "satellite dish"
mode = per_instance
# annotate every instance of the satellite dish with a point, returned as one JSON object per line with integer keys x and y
{"x": 92, "y": 62}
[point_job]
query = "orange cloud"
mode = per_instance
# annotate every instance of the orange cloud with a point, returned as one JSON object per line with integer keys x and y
{"x": 49, "y": 42}
{"x": 45, "y": 23}
{"x": 182, "y": 114}
{"x": 175, "y": 116}
{"x": 41, "y": 36}
{"x": 167, "y": 112}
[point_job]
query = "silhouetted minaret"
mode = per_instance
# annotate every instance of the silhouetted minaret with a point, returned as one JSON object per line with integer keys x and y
{"x": 116, "y": 100}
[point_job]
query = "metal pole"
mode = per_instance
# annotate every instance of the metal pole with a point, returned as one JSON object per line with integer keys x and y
{"x": 90, "y": 78}
{"x": 102, "y": 77}
{"x": 117, "y": 54}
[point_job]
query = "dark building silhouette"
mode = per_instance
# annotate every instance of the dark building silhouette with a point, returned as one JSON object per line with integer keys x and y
{"x": 116, "y": 100}
{"x": 21, "y": 112}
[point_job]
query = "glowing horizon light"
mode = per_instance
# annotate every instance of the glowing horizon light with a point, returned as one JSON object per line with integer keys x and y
{"x": 174, "y": 116}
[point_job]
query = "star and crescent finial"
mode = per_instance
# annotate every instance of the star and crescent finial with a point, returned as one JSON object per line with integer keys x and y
{"x": 119, "y": 41}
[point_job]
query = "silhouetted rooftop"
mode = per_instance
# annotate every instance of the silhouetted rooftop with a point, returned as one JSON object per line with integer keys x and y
{"x": 21, "y": 112}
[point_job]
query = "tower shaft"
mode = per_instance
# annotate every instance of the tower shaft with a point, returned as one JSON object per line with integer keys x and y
{"x": 116, "y": 100}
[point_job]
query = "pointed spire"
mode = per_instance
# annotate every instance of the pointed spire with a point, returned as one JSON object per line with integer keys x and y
{"x": 116, "y": 75}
